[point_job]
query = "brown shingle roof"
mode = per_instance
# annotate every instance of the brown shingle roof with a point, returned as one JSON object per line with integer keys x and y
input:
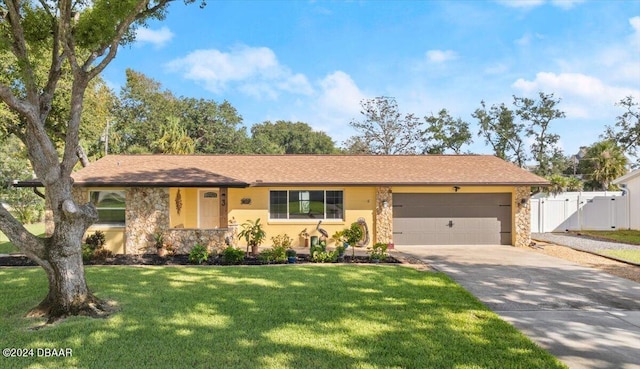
{"x": 270, "y": 170}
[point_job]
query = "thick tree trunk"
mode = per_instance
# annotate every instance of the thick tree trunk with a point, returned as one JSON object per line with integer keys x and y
{"x": 61, "y": 258}
{"x": 68, "y": 293}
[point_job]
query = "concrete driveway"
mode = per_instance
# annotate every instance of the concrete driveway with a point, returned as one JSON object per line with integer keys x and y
{"x": 586, "y": 318}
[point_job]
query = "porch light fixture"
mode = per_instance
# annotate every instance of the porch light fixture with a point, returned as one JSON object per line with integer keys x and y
{"x": 456, "y": 188}
{"x": 524, "y": 202}
{"x": 385, "y": 204}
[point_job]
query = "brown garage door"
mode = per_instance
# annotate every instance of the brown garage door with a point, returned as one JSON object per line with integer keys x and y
{"x": 452, "y": 219}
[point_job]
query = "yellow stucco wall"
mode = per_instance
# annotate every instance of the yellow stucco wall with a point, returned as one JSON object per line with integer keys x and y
{"x": 114, "y": 237}
{"x": 359, "y": 202}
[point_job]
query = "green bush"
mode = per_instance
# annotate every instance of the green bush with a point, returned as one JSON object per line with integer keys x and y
{"x": 282, "y": 240}
{"x": 319, "y": 248}
{"x": 276, "y": 254}
{"x": 378, "y": 251}
{"x": 87, "y": 253}
{"x": 291, "y": 253}
{"x": 232, "y": 255}
{"x": 93, "y": 248}
{"x": 198, "y": 254}
{"x": 324, "y": 257}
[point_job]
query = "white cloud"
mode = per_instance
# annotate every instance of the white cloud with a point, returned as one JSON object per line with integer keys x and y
{"x": 340, "y": 94}
{"x": 441, "y": 56}
{"x": 158, "y": 37}
{"x": 583, "y": 96}
{"x": 528, "y": 4}
{"x": 521, "y": 3}
{"x": 254, "y": 71}
{"x": 635, "y": 36}
{"x": 566, "y": 4}
{"x": 526, "y": 39}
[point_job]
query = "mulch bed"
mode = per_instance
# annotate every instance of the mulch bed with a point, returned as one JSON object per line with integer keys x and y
{"x": 153, "y": 259}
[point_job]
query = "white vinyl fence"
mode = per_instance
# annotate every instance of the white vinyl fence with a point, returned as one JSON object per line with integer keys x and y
{"x": 575, "y": 211}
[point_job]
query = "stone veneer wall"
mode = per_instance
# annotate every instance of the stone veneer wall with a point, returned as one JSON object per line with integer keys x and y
{"x": 522, "y": 216}
{"x": 384, "y": 215}
{"x": 148, "y": 213}
{"x": 182, "y": 240}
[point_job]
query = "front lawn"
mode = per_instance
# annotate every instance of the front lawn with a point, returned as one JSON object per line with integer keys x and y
{"x": 629, "y": 255}
{"x": 7, "y": 247}
{"x": 625, "y": 236}
{"x": 315, "y": 316}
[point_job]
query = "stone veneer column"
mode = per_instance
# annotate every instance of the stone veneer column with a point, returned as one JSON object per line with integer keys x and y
{"x": 384, "y": 215}
{"x": 147, "y": 213}
{"x": 522, "y": 216}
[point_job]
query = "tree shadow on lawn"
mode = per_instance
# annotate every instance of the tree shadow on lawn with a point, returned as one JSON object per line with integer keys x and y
{"x": 289, "y": 317}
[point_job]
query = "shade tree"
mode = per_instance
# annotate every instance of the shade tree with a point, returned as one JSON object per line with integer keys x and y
{"x": 83, "y": 36}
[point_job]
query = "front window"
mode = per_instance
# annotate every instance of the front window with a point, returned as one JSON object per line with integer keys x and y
{"x": 110, "y": 206}
{"x": 306, "y": 204}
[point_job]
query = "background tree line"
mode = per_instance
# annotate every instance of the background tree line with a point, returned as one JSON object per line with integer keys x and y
{"x": 145, "y": 118}
{"x": 519, "y": 133}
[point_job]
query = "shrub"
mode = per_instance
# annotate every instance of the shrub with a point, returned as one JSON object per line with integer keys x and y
{"x": 198, "y": 254}
{"x": 317, "y": 249}
{"x": 93, "y": 248}
{"x": 378, "y": 251}
{"x": 231, "y": 255}
{"x": 102, "y": 254}
{"x": 291, "y": 253}
{"x": 87, "y": 253}
{"x": 324, "y": 257}
{"x": 282, "y": 240}
{"x": 275, "y": 254}
{"x": 353, "y": 234}
{"x": 96, "y": 240}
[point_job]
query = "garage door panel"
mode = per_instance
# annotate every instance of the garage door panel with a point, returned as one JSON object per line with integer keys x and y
{"x": 475, "y": 219}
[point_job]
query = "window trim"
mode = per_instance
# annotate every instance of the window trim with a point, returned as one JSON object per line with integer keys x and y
{"x": 306, "y": 220}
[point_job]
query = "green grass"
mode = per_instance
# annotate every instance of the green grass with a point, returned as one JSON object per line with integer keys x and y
{"x": 7, "y": 247}
{"x": 315, "y": 316}
{"x": 625, "y": 236}
{"x": 629, "y": 255}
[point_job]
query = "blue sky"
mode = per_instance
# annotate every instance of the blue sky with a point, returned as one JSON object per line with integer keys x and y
{"x": 314, "y": 61}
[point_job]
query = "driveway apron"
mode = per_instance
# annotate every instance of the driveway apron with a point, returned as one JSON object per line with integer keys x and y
{"x": 585, "y": 317}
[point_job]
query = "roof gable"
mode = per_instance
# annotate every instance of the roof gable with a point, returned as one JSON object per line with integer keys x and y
{"x": 274, "y": 170}
{"x": 627, "y": 177}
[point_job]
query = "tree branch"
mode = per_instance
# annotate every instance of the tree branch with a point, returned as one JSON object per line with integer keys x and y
{"x": 141, "y": 11}
{"x": 28, "y": 243}
{"x": 19, "y": 46}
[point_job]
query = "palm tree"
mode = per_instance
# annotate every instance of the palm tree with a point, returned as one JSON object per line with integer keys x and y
{"x": 604, "y": 161}
{"x": 174, "y": 139}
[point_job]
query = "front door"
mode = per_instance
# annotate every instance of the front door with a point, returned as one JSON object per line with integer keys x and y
{"x": 208, "y": 209}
